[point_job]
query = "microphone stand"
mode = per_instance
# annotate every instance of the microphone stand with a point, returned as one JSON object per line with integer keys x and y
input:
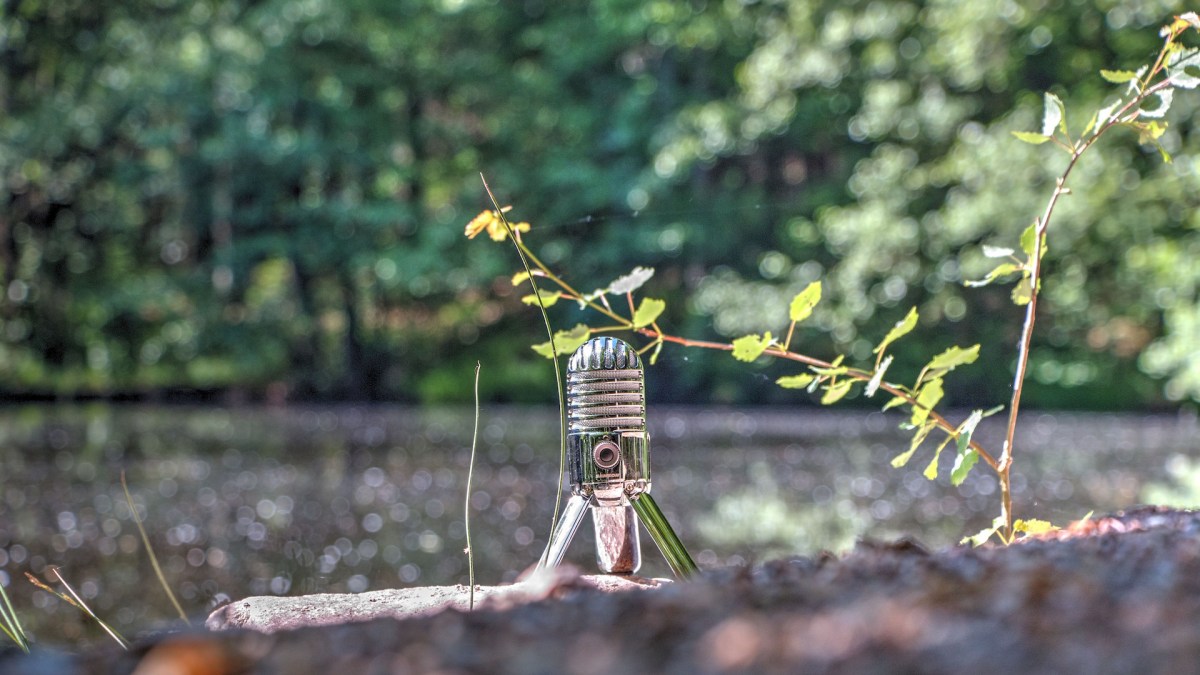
{"x": 608, "y": 450}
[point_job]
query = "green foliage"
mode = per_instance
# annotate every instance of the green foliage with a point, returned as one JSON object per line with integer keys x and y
{"x": 750, "y": 347}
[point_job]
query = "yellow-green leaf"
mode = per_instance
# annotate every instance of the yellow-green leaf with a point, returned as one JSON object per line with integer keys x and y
{"x": 750, "y": 347}
{"x": 648, "y": 310}
{"x": 836, "y": 392}
{"x": 1118, "y": 76}
{"x": 804, "y": 302}
{"x": 1034, "y": 526}
{"x": 986, "y": 533}
{"x": 894, "y": 403}
{"x": 520, "y": 277}
{"x": 1022, "y": 293}
{"x": 951, "y": 359}
{"x": 963, "y": 463}
{"x": 902, "y": 328}
{"x": 918, "y": 438}
{"x": 1030, "y": 137}
{"x": 931, "y": 469}
{"x": 796, "y": 381}
{"x": 927, "y": 398}
{"x": 1001, "y": 270}
{"x": 548, "y": 298}
{"x": 565, "y": 341}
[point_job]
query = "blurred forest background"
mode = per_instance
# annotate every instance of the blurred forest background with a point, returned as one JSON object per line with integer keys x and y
{"x": 267, "y": 197}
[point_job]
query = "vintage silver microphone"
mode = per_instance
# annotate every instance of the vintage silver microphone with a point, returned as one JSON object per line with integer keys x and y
{"x": 608, "y": 454}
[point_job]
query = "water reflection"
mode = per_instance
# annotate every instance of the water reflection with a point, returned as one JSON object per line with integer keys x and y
{"x": 288, "y": 501}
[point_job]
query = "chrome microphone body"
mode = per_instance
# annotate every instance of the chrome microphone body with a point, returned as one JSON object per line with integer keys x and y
{"x": 608, "y": 455}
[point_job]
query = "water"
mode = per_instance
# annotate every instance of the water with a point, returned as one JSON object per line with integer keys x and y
{"x": 250, "y": 501}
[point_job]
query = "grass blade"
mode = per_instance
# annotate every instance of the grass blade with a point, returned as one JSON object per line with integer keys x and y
{"x": 467, "y": 505}
{"x": 162, "y": 580}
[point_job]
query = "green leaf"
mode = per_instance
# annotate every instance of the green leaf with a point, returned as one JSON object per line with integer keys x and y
{"x": 950, "y": 359}
{"x": 804, "y": 302}
{"x": 648, "y": 310}
{"x": 918, "y": 438}
{"x": 902, "y": 328}
{"x": 1022, "y": 293}
{"x": 986, "y": 533}
{"x": 654, "y": 354}
{"x": 1034, "y": 526}
{"x": 1165, "y": 96}
{"x": 963, "y": 464}
{"x": 836, "y": 392}
{"x": 1029, "y": 240}
{"x": 1000, "y": 271}
{"x": 927, "y": 398}
{"x": 520, "y": 277}
{"x": 877, "y": 376}
{"x": 1184, "y": 68}
{"x": 629, "y": 283}
{"x": 1054, "y": 116}
{"x": 750, "y": 347}
{"x": 1030, "y": 137}
{"x": 931, "y": 468}
{"x": 548, "y": 298}
{"x": 796, "y": 381}
{"x": 967, "y": 429}
{"x": 1118, "y": 76}
{"x": 894, "y": 403}
{"x": 565, "y": 341}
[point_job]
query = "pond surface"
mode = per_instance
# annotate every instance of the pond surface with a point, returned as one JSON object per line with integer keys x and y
{"x": 250, "y": 501}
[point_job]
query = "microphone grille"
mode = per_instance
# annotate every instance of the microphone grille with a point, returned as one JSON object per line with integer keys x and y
{"x": 606, "y": 387}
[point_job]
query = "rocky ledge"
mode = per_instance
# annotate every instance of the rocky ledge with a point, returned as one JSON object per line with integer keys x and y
{"x": 1115, "y": 594}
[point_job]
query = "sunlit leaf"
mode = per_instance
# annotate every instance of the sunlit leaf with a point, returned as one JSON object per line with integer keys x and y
{"x": 804, "y": 302}
{"x": 926, "y": 399}
{"x": 997, "y": 251}
{"x": 1165, "y": 96}
{"x": 963, "y": 463}
{"x": 835, "y": 368}
{"x": 918, "y": 438}
{"x": 902, "y": 328}
{"x": 931, "y": 469}
{"x": 895, "y": 403}
{"x": 1034, "y": 526}
{"x": 877, "y": 376}
{"x": 750, "y": 347}
{"x": 1029, "y": 240}
{"x": 548, "y": 298}
{"x": 629, "y": 283}
{"x": 520, "y": 278}
{"x": 648, "y": 311}
{"x": 1118, "y": 76}
{"x": 1184, "y": 68}
{"x": 1022, "y": 293}
{"x": 836, "y": 392}
{"x": 796, "y": 381}
{"x": 951, "y": 359}
{"x": 565, "y": 341}
{"x": 654, "y": 354}
{"x": 999, "y": 271}
{"x": 986, "y": 533}
{"x": 1030, "y": 137}
{"x": 1054, "y": 115}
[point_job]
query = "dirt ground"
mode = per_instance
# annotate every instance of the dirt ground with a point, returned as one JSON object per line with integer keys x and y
{"x": 1116, "y": 594}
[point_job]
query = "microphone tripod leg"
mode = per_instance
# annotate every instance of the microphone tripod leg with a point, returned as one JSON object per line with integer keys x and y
{"x": 660, "y": 531}
{"x": 568, "y": 523}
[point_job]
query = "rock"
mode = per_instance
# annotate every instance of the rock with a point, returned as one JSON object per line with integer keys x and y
{"x": 1116, "y": 594}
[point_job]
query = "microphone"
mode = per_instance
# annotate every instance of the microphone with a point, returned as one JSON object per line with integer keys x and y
{"x": 608, "y": 447}
{"x": 608, "y": 454}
